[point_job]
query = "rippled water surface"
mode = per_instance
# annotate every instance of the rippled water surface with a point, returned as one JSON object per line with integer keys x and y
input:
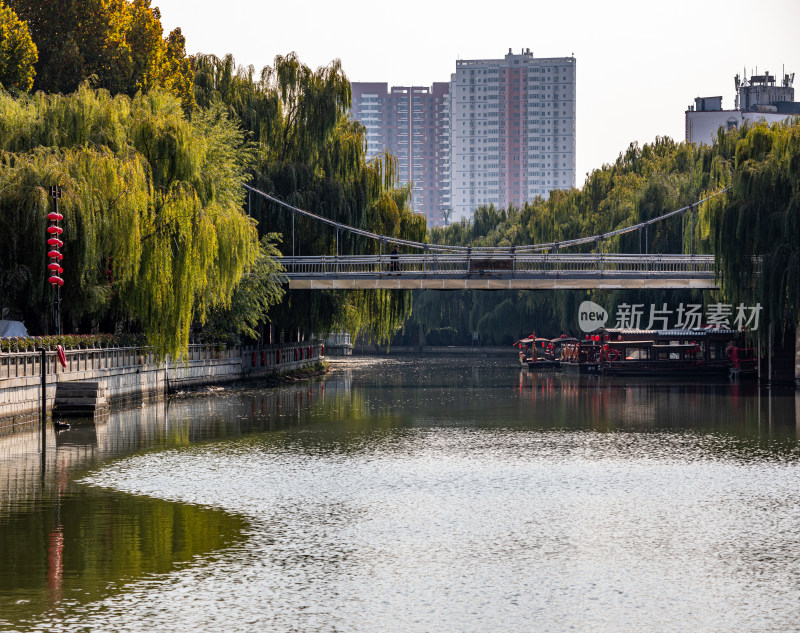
{"x": 413, "y": 494}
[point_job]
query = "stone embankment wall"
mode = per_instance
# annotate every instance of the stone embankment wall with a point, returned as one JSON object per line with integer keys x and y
{"x": 133, "y": 373}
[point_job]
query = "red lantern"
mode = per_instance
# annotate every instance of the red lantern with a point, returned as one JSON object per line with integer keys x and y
{"x": 54, "y": 267}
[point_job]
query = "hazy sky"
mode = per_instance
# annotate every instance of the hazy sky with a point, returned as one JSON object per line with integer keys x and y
{"x": 639, "y": 63}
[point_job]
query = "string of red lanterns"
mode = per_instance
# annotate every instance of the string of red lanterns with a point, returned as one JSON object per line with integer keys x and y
{"x": 54, "y": 242}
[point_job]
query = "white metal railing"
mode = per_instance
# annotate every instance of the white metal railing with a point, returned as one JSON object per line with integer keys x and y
{"x": 282, "y": 354}
{"x": 28, "y": 363}
{"x": 498, "y": 265}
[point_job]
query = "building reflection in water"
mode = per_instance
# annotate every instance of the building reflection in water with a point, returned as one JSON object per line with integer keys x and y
{"x": 613, "y": 403}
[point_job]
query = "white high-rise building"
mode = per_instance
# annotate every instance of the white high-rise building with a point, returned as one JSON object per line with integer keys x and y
{"x": 512, "y": 130}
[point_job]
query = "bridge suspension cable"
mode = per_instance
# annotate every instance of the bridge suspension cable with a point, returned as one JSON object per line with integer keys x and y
{"x": 548, "y": 246}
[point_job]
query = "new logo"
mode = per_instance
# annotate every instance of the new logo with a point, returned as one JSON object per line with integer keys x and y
{"x": 591, "y": 316}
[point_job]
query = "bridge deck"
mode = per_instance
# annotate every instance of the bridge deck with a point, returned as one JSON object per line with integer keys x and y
{"x": 500, "y": 272}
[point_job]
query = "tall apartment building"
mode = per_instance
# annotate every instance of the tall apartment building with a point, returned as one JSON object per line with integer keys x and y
{"x": 502, "y": 131}
{"x": 412, "y": 122}
{"x": 512, "y": 132}
{"x": 369, "y": 107}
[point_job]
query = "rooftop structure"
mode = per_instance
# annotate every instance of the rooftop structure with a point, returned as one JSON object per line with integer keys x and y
{"x": 758, "y": 98}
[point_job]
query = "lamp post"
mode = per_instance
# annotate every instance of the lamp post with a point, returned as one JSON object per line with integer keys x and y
{"x": 54, "y": 243}
{"x": 43, "y": 362}
{"x": 446, "y": 213}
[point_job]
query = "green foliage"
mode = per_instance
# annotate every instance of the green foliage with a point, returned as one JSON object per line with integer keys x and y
{"x": 68, "y": 342}
{"x": 116, "y": 44}
{"x": 18, "y": 53}
{"x": 760, "y": 218}
{"x": 251, "y": 101}
{"x": 310, "y": 154}
{"x": 259, "y": 290}
{"x": 153, "y": 223}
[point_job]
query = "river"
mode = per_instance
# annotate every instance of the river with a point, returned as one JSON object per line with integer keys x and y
{"x": 451, "y": 494}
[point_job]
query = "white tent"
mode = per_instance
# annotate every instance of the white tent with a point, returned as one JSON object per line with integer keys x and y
{"x": 12, "y": 328}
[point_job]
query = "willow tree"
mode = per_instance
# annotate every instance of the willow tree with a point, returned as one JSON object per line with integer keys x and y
{"x": 311, "y": 155}
{"x": 250, "y": 99}
{"x": 197, "y": 242}
{"x": 153, "y": 219}
{"x": 758, "y": 222}
{"x": 105, "y": 198}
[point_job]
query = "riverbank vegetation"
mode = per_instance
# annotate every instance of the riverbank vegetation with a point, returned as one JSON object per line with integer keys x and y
{"x": 152, "y": 150}
{"x": 309, "y": 154}
{"x": 154, "y": 232}
{"x": 757, "y": 218}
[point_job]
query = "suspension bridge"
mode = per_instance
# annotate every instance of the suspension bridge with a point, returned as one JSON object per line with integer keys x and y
{"x": 531, "y": 267}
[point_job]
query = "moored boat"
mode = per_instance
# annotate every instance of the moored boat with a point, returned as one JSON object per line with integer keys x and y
{"x": 538, "y": 359}
{"x": 676, "y": 353}
{"x": 532, "y": 352}
{"x": 583, "y": 356}
{"x": 524, "y": 346}
{"x": 555, "y": 348}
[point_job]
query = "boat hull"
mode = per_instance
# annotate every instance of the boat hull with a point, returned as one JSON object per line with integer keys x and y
{"x": 666, "y": 368}
{"x": 581, "y": 368}
{"x": 544, "y": 365}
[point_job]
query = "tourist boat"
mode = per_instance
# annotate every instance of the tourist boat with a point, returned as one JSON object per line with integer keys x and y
{"x": 524, "y": 346}
{"x": 583, "y": 356}
{"x": 678, "y": 353}
{"x": 556, "y": 346}
{"x": 532, "y": 352}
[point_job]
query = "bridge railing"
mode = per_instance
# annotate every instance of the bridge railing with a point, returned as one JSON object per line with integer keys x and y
{"x": 442, "y": 265}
